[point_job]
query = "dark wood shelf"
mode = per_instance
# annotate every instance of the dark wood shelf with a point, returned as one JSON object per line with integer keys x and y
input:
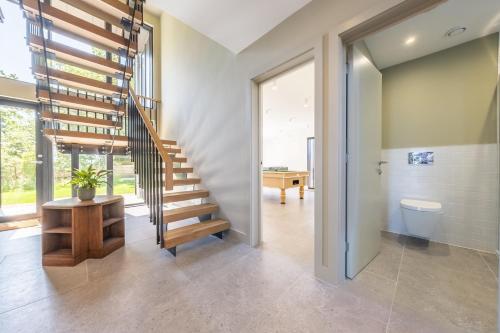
{"x": 113, "y": 241}
{"x": 58, "y": 230}
{"x": 60, "y": 253}
{"x": 110, "y": 221}
{"x": 74, "y": 230}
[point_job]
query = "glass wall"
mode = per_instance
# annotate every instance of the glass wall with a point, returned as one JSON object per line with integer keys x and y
{"x": 62, "y": 175}
{"x": 124, "y": 179}
{"x": 16, "y": 63}
{"x": 143, "y": 65}
{"x": 17, "y": 160}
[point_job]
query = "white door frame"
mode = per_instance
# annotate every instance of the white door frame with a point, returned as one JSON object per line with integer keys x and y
{"x": 313, "y": 52}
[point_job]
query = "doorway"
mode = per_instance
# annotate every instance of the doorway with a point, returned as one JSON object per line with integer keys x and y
{"x": 287, "y": 188}
{"x": 18, "y": 161}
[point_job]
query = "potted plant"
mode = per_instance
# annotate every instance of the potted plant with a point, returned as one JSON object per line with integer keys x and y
{"x": 87, "y": 180}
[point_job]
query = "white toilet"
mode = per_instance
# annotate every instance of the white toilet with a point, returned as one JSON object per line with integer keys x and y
{"x": 421, "y": 217}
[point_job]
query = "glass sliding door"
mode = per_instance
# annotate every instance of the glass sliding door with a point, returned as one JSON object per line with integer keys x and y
{"x": 124, "y": 180}
{"x": 18, "y": 194}
{"x": 62, "y": 174}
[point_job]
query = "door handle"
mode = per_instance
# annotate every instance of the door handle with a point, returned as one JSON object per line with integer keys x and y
{"x": 379, "y": 167}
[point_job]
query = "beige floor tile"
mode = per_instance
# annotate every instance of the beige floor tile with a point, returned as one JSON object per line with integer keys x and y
{"x": 387, "y": 262}
{"x": 218, "y": 285}
{"x": 33, "y": 285}
{"x": 447, "y": 286}
{"x": 491, "y": 261}
{"x": 313, "y": 306}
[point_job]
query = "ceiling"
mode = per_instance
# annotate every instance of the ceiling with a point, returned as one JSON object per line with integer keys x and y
{"x": 234, "y": 24}
{"x": 388, "y": 47}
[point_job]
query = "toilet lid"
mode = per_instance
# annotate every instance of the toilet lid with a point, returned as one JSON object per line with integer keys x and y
{"x": 420, "y": 205}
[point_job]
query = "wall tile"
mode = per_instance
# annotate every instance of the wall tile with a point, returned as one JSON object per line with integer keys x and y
{"x": 463, "y": 178}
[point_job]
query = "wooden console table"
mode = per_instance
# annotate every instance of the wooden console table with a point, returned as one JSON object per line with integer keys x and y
{"x": 74, "y": 230}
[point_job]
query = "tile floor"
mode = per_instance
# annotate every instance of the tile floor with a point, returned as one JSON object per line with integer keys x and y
{"x": 226, "y": 286}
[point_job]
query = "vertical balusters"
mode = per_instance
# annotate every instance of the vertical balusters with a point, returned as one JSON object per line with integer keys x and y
{"x": 148, "y": 166}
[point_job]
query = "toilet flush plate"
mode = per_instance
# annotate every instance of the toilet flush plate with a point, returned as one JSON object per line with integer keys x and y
{"x": 421, "y": 158}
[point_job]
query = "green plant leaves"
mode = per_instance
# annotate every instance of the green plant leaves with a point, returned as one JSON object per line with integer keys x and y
{"x": 89, "y": 177}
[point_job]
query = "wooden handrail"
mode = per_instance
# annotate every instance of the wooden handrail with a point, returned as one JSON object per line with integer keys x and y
{"x": 169, "y": 167}
{"x": 150, "y": 99}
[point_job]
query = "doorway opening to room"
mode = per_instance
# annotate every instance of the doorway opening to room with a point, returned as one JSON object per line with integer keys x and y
{"x": 287, "y": 158}
{"x": 422, "y": 167}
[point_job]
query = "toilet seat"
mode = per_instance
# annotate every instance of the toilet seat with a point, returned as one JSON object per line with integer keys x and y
{"x": 421, "y": 206}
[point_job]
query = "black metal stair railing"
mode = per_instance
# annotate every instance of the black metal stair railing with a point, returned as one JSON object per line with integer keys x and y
{"x": 148, "y": 164}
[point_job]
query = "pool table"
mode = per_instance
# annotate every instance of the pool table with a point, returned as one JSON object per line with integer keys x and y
{"x": 284, "y": 180}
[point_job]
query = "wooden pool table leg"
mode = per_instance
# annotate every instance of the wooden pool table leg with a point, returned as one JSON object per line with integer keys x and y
{"x": 283, "y": 196}
{"x": 301, "y": 192}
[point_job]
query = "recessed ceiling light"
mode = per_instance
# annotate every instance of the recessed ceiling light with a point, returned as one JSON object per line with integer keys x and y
{"x": 410, "y": 40}
{"x": 455, "y": 31}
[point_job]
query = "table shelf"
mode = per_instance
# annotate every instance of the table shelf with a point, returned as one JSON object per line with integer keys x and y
{"x": 74, "y": 230}
{"x": 110, "y": 221}
{"x": 58, "y": 230}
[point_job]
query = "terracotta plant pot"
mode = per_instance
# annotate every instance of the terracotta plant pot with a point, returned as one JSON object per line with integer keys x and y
{"x": 85, "y": 194}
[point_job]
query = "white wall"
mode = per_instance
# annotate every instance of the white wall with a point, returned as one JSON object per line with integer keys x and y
{"x": 206, "y": 91}
{"x": 288, "y": 118}
{"x": 463, "y": 178}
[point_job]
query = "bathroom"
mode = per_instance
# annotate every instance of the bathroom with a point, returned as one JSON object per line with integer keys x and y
{"x": 422, "y": 147}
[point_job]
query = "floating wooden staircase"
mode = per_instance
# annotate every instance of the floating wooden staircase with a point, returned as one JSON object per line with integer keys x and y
{"x": 86, "y": 101}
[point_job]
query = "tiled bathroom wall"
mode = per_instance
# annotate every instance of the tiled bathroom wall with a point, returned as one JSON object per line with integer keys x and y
{"x": 463, "y": 178}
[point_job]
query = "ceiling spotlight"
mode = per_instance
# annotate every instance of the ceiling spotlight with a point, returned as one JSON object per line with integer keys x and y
{"x": 410, "y": 40}
{"x": 274, "y": 86}
{"x": 455, "y": 31}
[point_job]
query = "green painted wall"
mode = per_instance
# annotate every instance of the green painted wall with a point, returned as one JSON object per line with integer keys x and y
{"x": 446, "y": 98}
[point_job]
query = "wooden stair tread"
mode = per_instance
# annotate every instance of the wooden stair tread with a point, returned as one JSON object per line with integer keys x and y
{"x": 78, "y": 57}
{"x": 195, "y": 231}
{"x": 79, "y": 27}
{"x": 184, "y": 195}
{"x": 169, "y": 142}
{"x": 110, "y": 11}
{"x": 85, "y": 138}
{"x": 183, "y": 170}
{"x": 179, "y": 159}
{"x": 77, "y": 81}
{"x": 115, "y": 8}
{"x": 79, "y": 120}
{"x": 178, "y": 214}
{"x": 171, "y": 150}
{"x": 79, "y": 103}
{"x": 187, "y": 181}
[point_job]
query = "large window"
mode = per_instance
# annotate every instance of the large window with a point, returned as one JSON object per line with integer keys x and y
{"x": 62, "y": 175}
{"x": 15, "y": 62}
{"x": 17, "y": 160}
{"x": 143, "y": 65}
{"x": 124, "y": 179}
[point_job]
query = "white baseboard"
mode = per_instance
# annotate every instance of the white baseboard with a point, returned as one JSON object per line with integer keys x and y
{"x": 239, "y": 236}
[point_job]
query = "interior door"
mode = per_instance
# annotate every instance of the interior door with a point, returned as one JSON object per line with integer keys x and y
{"x": 364, "y": 143}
